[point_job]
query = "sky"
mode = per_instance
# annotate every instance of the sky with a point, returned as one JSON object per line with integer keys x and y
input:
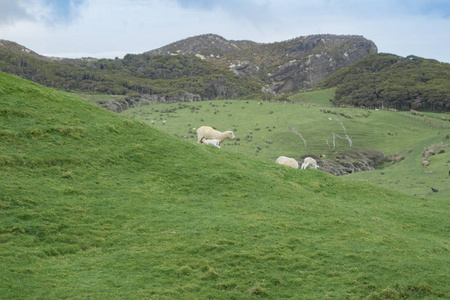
{"x": 114, "y": 28}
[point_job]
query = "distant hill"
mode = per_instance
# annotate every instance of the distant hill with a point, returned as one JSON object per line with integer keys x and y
{"x": 13, "y": 47}
{"x": 299, "y": 63}
{"x": 156, "y": 77}
{"x": 197, "y": 68}
{"x": 391, "y": 81}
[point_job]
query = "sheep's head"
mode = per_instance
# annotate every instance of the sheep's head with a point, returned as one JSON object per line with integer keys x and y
{"x": 230, "y": 134}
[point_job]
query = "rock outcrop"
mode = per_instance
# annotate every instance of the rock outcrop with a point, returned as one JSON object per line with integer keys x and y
{"x": 352, "y": 161}
{"x": 315, "y": 58}
{"x": 297, "y": 64}
{"x": 119, "y": 106}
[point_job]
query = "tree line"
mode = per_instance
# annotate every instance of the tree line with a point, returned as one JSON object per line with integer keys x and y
{"x": 133, "y": 75}
{"x": 390, "y": 81}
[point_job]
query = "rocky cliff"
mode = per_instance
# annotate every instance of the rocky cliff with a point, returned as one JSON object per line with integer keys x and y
{"x": 282, "y": 67}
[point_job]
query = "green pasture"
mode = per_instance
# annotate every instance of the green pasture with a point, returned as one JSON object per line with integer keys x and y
{"x": 319, "y": 97}
{"x": 95, "y": 205}
{"x": 256, "y": 122}
{"x": 263, "y": 130}
{"x": 411, "y": 177}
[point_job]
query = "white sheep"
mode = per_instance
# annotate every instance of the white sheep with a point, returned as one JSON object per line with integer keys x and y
{"x": 287, "y": 161}
{"x": 214, "y": 142}
{"x": 309, "y": 162}
{"x": 209, "y": 133}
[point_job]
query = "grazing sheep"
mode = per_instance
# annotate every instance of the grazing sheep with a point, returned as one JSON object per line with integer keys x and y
{"x": 214, "y": 142}
{"x": 209, "y": 133}
{"x": 287, "y": 161}
{"x": 309, "y": 162}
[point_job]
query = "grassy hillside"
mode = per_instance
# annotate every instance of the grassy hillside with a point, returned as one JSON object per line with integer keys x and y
{"x": 319, "y": 97}
{"x": 255, "y": 123}
{"x": 95, "y": 205}
{"x": 262, "y": 130}
{"x": 410, "y": 176}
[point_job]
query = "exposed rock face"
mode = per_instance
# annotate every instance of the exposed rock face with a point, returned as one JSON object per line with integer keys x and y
{"x": 314, "y": 61}
{"x": 300, "y": 63}
{"x": 352, "y": 161}
{"x": 142, "y": 100}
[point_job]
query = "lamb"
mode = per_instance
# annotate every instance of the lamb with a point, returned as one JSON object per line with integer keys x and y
{"x": 287, "y": 161}
{"x": 309, "y": 162}
{"x": 209, "y": 133}
{"x": 214, "y": 142}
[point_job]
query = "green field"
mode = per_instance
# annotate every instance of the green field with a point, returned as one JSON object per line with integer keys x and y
{"x": 271, "y": 121}
{"x": 411, "y": 177}
{"x": 96, "y": 205}
{"x": 262, "y": 130}
{"x": 320, "y": 97}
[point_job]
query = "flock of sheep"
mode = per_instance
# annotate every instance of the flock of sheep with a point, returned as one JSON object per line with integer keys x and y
{"x": 209, "y": 136}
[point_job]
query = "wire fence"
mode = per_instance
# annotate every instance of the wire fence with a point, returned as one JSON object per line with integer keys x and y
{"x": 427, "y": 121}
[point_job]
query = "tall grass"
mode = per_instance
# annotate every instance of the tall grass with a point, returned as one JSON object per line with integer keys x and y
{"x": 116, "y": 208}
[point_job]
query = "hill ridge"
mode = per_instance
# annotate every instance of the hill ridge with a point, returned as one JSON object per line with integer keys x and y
{"x": 240, "y": 69}
{"x": 283, "y": 63}
{"x": 391, "y": 81}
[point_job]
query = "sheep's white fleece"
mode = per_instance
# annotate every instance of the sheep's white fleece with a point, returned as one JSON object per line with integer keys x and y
{"x": 309, "y": 162}
{"x": 209, "y": 133}
{"x": 287, "y": 161}
{"x": 214, "y": 142}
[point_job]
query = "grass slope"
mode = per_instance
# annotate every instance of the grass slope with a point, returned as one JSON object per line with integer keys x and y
{"x": 410, "y": 176}
{"x": 320, "y": 97}
{"x": 95, "y": 205}
{"x": 262, "y": 130}
{"x": 270, "y": 121}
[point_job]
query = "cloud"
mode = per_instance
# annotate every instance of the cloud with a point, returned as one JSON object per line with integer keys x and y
{"x": 253, "y": 11}
{"x": 50, "y": 12}
{"x": 436, "y": 8}
{"x": 61, "y": 11}
{"x": 109, "y": 28}
{"x": 13, "y": 11}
